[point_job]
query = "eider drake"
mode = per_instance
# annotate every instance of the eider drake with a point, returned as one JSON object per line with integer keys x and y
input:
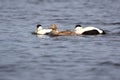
{"x": 40, "y": 31}
{"x": 55, "y": 32}
{"x": 88, "y": 30}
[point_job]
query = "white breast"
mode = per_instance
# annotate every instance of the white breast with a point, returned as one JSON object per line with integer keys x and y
{"x": 44, "y": 31}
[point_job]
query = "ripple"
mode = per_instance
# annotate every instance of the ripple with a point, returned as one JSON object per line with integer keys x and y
{"x": 116, "y": 33}
{"x": 109, "y": 63}
{"x": 99, "y": 23}
{"x": 112, "y": 23}
{"x": 38, "y": 57}
{"x": 62, "y": 46}
{"x": 7, "y": 68}
{"x": 35, "y": 1}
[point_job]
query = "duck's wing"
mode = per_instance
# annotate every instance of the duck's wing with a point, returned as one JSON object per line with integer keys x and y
{"x": 89, "y": 28}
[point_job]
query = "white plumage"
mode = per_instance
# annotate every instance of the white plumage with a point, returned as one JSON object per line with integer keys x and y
{"x": 88, "y": 30}
{"x": 40, "y": 31}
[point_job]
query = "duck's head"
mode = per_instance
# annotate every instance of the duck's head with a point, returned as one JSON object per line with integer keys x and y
{"x": 39, "y": 27}
{"x": 78, "y": 27}
{"x": 53, "y": 27}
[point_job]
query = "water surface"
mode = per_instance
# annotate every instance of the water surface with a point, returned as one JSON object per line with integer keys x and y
{"x": 24, "y": 56}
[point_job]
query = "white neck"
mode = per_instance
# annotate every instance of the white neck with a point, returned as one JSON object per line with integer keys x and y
{"x": 38, "y": 29}
{"x": 78, "y": 30}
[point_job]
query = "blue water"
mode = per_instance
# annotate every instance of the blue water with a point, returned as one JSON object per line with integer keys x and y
{"x": 24, "y": 56}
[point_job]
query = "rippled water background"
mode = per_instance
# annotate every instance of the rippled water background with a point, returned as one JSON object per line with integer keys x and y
{"x": 24, "y": 56}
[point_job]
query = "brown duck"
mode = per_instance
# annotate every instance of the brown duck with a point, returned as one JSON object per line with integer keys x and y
{"x": 55, "y": 32}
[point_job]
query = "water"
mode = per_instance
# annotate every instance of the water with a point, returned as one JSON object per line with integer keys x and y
{"x": 24, "y": 56}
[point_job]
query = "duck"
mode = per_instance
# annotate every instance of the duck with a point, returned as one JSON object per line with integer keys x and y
{"x": 88, "y": 30}
{"x": 40, "y": 31}
{"x": 55, "y": 32}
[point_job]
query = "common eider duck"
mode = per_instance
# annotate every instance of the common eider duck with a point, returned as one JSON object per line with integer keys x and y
{"x": 40, "y": 31}
{"x": 88, "y": 30}
{"x": 55, "y": 32}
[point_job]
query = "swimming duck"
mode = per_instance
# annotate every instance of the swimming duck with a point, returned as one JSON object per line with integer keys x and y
{"x": 40, "y": 31}
{"x": 55, "y": 32}
{"x": 88, "y": 30}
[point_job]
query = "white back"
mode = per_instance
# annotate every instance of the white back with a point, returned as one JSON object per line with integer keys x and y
{"x": 80, "y": 30}
{"x": 92, "y": 28}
